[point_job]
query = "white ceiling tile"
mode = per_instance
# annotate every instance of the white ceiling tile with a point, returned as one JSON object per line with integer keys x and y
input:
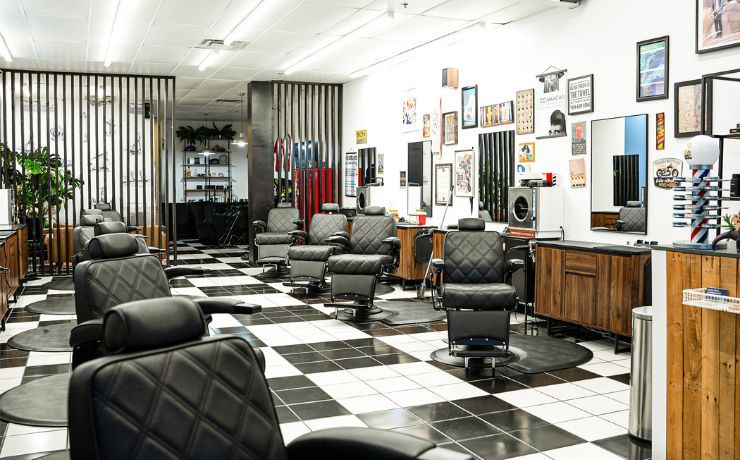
{"x": 193, "y": 12}
{"x": 313, "y": 18}
{"x": 235, "y": 73}
{"x": 51, "y": 49}
{"x": 221, "y": 85}
{"x": 280, "y": 42}
{"x": 188, "y": 83}
{"x": 469, "y": 10}
{"x": 161, "y": 54}
{"x": 249, "y": 58}
{"x": 422, "y": 29}
{"x": 56, "y": 28}
{"x": 519, "y": 11}
{"x": 14, "y": 32}
{"x": 10, "y": 6}
{"x": 65, "y": 8}
{"x": 412, "y": 7}
{"x": 174, "y": 35}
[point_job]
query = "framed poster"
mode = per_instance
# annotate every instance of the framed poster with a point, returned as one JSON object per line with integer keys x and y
{"x": 443, "y": 184}
{"x": 665, "y": 172}
{"x": 497, "y": 114}
{"x": 450, "y": 128}
{"x": 350, "y": 174}
{"x": 526, "y": 152}
{"x": 426, "y": 126}
{"x": 361, "y": 136}
{"x": 551, "y": 104}
{"x": 578, "y": 142}
{"x": 486, "y": 116}
{"x": 402, "y": 179}
{"x": 660, "y": 131}
{"x": 464, "y": 172}
{"x": 581, "y": 94}
{"x": 525, "y": 111}
{"x": 687, "y": 108}
{"x": 652, "y": 69}
{"x": 408, "y": 111}
{"x": 469, "y": 108}
{"x": 578, "y": 173}
{"x": 717, "y": 25}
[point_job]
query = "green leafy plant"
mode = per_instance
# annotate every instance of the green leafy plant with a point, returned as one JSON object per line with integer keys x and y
{"x": 187, "y": 135}
{"x": 729, "y": 223}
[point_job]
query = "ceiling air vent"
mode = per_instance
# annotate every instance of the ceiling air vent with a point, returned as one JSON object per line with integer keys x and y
{"x": 213, "y": 44}
{"x": 227, "y": 101}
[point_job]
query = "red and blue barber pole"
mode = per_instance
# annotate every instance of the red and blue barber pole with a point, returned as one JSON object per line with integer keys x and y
{"x": 699, "y": 232}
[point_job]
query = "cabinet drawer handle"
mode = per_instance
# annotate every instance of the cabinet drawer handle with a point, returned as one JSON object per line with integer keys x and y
{"x": 4, "y": 269}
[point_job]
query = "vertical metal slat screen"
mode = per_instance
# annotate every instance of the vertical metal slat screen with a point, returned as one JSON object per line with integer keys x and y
{"x": 307, "y": 132}
{"x": 496, "y": 172}
{"x": 69, "y": 141}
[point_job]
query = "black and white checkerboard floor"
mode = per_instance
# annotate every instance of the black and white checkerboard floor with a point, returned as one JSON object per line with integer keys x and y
{"x": 327, "y": 373}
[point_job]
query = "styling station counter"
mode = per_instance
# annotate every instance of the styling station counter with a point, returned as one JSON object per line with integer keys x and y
{"x": 696, "y": 355}
{"x": 409, "y": 269}
{"x": 14, "y": 258}
{"x": 591, "y": 284}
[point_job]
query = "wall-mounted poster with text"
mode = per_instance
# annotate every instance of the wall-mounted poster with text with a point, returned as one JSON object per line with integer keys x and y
{"x": 578, "y": 143}
{"x": 551, "y": 104}
{"x": 464, "y": 173}
{"x": 665, "y": 172}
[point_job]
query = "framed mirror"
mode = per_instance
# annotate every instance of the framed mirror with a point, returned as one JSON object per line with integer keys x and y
{"x": 420, "y": 174}
{"x": 619, "y": 174}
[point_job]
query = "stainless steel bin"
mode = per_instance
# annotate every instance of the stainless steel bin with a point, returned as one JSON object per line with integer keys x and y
{"x": 641, "y": 375}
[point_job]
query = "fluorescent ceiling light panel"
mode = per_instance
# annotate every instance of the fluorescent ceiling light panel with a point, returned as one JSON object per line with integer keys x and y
{"x": 4, "y": 50}
{"x": 108, "y": 48}
{"x": 254, "y": 15}
{"x": 208, "y": 60}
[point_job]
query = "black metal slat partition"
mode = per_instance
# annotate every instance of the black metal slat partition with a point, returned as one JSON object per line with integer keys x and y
{"x": 308, "y": 141}
{"x": 73, "y": 140}
{"x": 496, "y": 172}
{"x": 626, "y": 184}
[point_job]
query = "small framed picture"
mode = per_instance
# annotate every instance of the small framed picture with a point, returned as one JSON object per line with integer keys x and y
{"x": 450, "y": 127}
{"x": 717, "y": 25}
{"x": 581, "y": 95}
{"x": 443, "y": 183}
{"x": 526, "y": 152}
{"x": 652, "y": 69}
{"x": 687, "y": 108}
{"x": 469, "y": 107}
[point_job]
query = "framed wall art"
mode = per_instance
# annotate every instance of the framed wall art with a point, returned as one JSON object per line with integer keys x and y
{"x": 497, "y": 114}
{"x": 469, "y": 108}
{"x": 426, "y": 126}
{"x": 408, "y": 111}
{"x": 578, "y": 173}
{"x": 717, "y": 25}
{"x": 402, "y": 179}
{"x": 552, "y": 104}
{"x": 450, "y": 128}
{"x": 652, "y": 69}
{"x": 687, "y": 108}
{"x": 578, "y": 142}
{"x": 525, "y": 112}
{"x": 350, "y": 174}
{"x": 443, "y": 184}
{"x": 526, "y": 152}
{"x": 660, "y": 131}
{"x": 464, "y": 173}
{"x": 581, "y": 95}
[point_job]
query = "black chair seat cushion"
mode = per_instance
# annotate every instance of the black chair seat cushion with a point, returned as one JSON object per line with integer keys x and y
{"x": 310, "y": 252}
{"x": 481, "y": 296}
{"x": 273, "y": 238}
{"x": 358, "y": 264}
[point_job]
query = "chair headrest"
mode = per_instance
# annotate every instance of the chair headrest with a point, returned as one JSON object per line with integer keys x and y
{"x": 112, "y": 246}
{"x": 94, "y": 212}
{"x": 330, "y": 207}
{"x": 105, "y": 228}
{"x": 481, "y": 205}
{"x": 104, "y": 206}
{"x": 471, "y": 224}
{"x": 285, "y": 205}
{"x": 633, "y": 204}
{"x": 375, "y": 211}
{"x": 152, "y": 323}
{"x": 90, "y": 219}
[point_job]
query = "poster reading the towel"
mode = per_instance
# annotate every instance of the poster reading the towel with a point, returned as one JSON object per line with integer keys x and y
{"x": 350, "y": 174}
{"x": 551, "y": 104}
{"x": 464, "y": 172}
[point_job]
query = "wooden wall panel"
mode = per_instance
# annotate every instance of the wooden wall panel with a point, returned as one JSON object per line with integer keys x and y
{"x": 677, "y": 269}
{"x": 710, "y": 364}
{"x": 548, "y": 294}
{"x": 692, "y": 401}
{"x": 727, "y": 357}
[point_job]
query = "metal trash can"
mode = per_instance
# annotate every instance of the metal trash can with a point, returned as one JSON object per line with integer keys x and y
{"x": 641, "y": 374}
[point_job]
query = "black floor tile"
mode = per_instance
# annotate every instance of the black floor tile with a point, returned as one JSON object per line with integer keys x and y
{"x": 454, "y": 446}
{"x": 321, "y": 346}
{"x": 319, "y": 366}
{"x": 395, "y": 359}
{"x": 388, "y": 419}
{"x": 287, "y": 383}
{"x": 343, "y": 353}
{"x": 48, "y": 369}
{"x": 383, "y": 332}
{"x": 574, "y": 374}
{"x": 547, "y": 437}
{"x": 484, "y": 405}
{"x": 356, "y": 363}
{"x": 438, "y": 411}
{"x": 379, "y": 349}
{"x": 497, "y": 447}
{"x": 536, "y": 380}
{"x": 513, "y": 420}
{"x": 320, "y": 409}
{"x": 465, "y": 428}
{"x": 498, "y": 385}
{"x": 299, "y": 358}
{"x": 303, "y": 395}
{"x": 285, "y": 415}
{"x": 361, "y": 342}
{"x": 288, "y": 349}
{"x": 626, "y": 447}
{"x": 424, "y": 432}
{"x": 13, "y": 362}
{"x": 623, "y": 378}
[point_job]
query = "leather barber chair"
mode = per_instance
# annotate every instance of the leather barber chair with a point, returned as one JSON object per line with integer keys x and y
{"x": 476, "y": 294}
{"x": 483, "y": 212}
{"x": 172, "y": 393}
{"x": 632, "y": 218}
{"x": 371, "y": 250}
{"x": 309, "y": 257}
{"x": 273, "y": 238}
{"x": 106, "y": 228}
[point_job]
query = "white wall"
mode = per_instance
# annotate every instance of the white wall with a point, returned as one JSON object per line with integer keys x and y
{"x": 599, "y": 37}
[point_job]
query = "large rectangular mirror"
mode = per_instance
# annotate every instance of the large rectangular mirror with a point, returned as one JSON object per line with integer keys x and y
{"x": 619, "y": 174}
{"x": 420, "y": 173}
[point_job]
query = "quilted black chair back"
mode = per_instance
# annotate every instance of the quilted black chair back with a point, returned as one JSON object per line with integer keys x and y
{"x": 325, "y": 225}
{"x": 369, "y": 231}
{"x": 109, "y": 213}
{"x": 116, "y": 274}
{"x": 281, "y": 220}
{"x": 171, "y": 393}
{"x": 632, "y": 217}
{"x": 473, "y": 255}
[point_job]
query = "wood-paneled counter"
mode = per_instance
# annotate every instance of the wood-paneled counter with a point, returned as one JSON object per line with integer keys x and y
{"x": 14, "y": 257}
{"x": 590, "y": 284}
{"x": 408, "y": 268}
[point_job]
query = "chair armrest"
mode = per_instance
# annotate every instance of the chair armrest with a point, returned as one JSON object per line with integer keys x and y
{"x": 337, "y": 239}
{"x": 393, "y": 241}
{"x": 298, "y": 235}
{"x": 342, "y": 234}
{"x": 367, "y": 444}
{"x": 438, "y": 265}
{"x": 259, "y": 225}
{"x": 513, "y": 265}
{"x": 174, "y": 272}
{"x": 452, "y": 227}
{"x": 85, "y": 333}
{"x": 155, "y": 250}
{"x": 618, "y": 224}
{"x": 299, "y": 223}
{"x": 231, "y": 305}
{"x": 132, "y": 228}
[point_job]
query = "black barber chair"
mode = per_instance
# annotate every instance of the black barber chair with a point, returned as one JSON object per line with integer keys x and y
{"x": 483, "y": 212}
{"x": 109, "y": 215}
{"x": 172, "y": 393}
{"x": 273, "y": 238}
{"x": 308, "y": 261}
{"x": 632, "y": 218}
{"x": 476, "y": 294}
{"x": 372, "y": 250}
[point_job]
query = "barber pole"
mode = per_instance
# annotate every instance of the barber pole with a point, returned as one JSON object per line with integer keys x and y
{"x": 699, "y": 234}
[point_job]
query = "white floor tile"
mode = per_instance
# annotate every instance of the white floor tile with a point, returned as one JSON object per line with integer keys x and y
{"x": 293, "y": 430}
{"x": 283, "y": 300}
{"x": 621, "y": 396}
{"x": 532, "y": 457}
{"x": 525, "y": 398}
{"x": 415, "y": 397}
{"x": 12, "y": 372}
{"x": 413, "y": 368}
{"x": 34, "y": 442}
{"x": 460, "y": 390}
{"x": 7, "y": 384}
{"x": 584, "y": 451}
{"x": 621, "y": 418}
{"x": 39, "y": 358}
{"x": 598, "y": 405}
{"x": 189, "y": 291}
{"x": 393, "y": 384}
{"x": 202, "y": 282}
{"x": 557, "y": 412}
{"x": 370, "y": 403}
{"x": 348, "y": 390}
{"x": 602, "y": 385}
{"x": 431, "y": 379}
{"x": 367, "y": 374}
{"x": 334, "y": 422}
{"x": 332, "y": 378}
{"x": 281, "y": 371}
{"x": 592, "y": 428}
{"x": 606, "y": 369}
{"x": 565, "y": 391}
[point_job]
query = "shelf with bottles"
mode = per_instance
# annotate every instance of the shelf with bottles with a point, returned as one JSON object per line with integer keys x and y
{"x": 206, "y": 178}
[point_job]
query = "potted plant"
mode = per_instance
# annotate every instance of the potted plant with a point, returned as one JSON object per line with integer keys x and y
{"x": 188, "y": 136}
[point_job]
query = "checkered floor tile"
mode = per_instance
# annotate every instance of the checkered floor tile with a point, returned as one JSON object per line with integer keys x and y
{"x": 327, "y": 373}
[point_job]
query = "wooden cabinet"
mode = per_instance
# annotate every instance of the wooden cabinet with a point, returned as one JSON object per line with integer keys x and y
{"x": 12, "y": 262}
{"x": 23, "y": 252}
{"x": 590, "y": 288}
{"x": 408, "y": 268}
{"x": 4, "y": 283}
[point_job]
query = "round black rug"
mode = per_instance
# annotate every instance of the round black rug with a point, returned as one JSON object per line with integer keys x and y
{"x": 54, "y": 337}
{"x": 42, "y": 402}
{"x": 60, "y": 284}
{"x": 410, "y": 312}
{"x": 53, "y": 305}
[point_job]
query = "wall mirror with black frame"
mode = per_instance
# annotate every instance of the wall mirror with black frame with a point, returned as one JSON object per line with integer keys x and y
{"x": 619, "y": 148}
{"x": 420, "y": 165}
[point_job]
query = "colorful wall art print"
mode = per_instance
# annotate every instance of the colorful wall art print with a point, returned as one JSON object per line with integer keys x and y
{"x": 551, "y": 104}
{"x": 687, "y": 108}
{"x": 426, "y": 126}
{"x": 361, "y": 136}
{"x": 578, "y": 142}
{"x": 450, "y": 128}
{"x": 497, "y": 114}
{"x": 717, "y": 24}
{"x": 665, "y": 172}
{"x": 581, "y": 95}
{"x": 469, "y": 108}
{"x": 652, "y": 69}
{"x": 660, "y": 131}
{"x": 578, "y": 173}
{"x": 408, "y": 111}
{"x": 526, "y": 152}
{"x": 350, "y": 174}
{"x": 525, "y": 111}
{"x": 464, "y": 173}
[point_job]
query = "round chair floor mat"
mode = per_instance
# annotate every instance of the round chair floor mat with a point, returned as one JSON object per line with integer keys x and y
{"x": 410, "y": 312}
{"x": 53, "y": 305}
{"x": 380, "y": 314}
{"x": 42, "y": 402}
{"x": 383, "y": 289}
{"x": 61, "y": 284}
{"x": 54, "y": 337}
{"x": 443, "y": 356}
